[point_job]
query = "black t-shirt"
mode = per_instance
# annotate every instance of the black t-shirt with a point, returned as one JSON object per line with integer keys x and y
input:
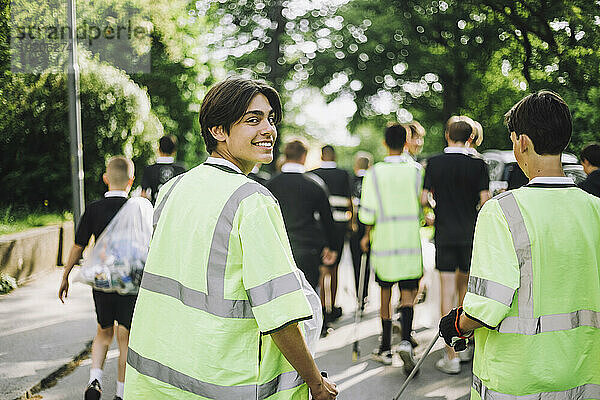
{"x": 300, "y": 196}
{"x": 592, "y": 183}
{"x": 96, "y": 217}
{"x": 338, "y": 183}
{"x": 455, "y": 179}
{"x": 156, "y": 175}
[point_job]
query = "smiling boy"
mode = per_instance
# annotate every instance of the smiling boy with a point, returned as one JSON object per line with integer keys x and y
{"x": 223, "y": 311}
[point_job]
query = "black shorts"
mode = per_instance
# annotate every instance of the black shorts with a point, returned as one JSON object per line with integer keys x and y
{"x": 308, "y": 261}
{"x": 111, "y": 307}
{"x": 403, "y": 284}
{"x": 450, "y": 257}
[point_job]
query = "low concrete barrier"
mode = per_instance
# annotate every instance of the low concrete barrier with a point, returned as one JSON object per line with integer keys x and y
{"x": 25, "y": 255}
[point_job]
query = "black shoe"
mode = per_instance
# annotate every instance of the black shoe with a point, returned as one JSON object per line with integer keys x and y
{"x": 93, "y": 391}
{"x": 117, "y": 398}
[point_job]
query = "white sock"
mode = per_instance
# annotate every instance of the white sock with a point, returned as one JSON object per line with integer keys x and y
{"x": 95, "y": 373}
{"x": 120, "y": 389}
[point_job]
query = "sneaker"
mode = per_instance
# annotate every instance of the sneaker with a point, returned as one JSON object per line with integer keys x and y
{"x": 117, "y": 398}
{"x": 466, "y": 355}
{"x": 405, "y": 350}
{"x": 93, "y": 391}
{"x": 448, "y": 366}
{"x": 383, "y": 356}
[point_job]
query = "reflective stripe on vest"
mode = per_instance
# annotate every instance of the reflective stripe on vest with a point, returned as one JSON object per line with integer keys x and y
{"x": 525, "y": 323}
{"x": 587, "y": 391}
{"x": 213, "y": 301}
{"x": 394, "y": 252}
{"x": 491, "y": 290}
{"x": 160, "y": 207}
{"x": 156, "y": 370}
{"x": 387, "y": 218}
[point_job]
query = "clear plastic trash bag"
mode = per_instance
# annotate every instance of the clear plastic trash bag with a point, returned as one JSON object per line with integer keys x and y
{"x": 312, "y": 327}
{"x": 116, "y": 262}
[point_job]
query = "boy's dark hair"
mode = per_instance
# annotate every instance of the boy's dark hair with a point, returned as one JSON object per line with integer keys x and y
{"x": 294, "y": 150}
{"x": 327, "y": 153}
{"x": 459, "y": 129}
{"x": 227, "y": 101}
{"x": 591, "y": 153}
{"x": 545, "y": 118}
{"x": 167, "y": 144}
{"x": 395, "y": 136}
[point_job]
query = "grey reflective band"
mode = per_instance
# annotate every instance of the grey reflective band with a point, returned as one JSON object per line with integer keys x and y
{"x": 587, "y": 391}
{"x": 390, "y": 218}
{"x": 282, "y": 285}
{"x": 378, "y": 194}
{"x": 395, "y": 252}
{"x": 219, "y": 247}
{"x": 522, "y": 244}
{"x": 214, "y": 301}
{"x": 491, "y": 290}
{"x": 339, "y": 201}
{"x": 160, "y": 207}
{"x": 550, "y": 322}
{"x": 220, "y": 307}
{"x": 163, "y": 373}
{"x": 418, "y": 180}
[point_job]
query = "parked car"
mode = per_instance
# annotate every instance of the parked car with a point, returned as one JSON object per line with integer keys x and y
{"x": 505, "y": 174}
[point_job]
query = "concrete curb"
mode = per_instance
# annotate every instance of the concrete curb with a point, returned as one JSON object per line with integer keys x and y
{"x": 54, "y": 376}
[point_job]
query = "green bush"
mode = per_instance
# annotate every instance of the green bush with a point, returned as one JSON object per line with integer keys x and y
{"x": 116, "y": 119}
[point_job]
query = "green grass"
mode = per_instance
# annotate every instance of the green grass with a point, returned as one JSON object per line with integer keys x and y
{"x": 12, "y": 221}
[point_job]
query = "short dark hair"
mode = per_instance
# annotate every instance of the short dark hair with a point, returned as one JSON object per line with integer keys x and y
{"x": 328, "y": 151}
{"x": 227, "y": 101}
{"x": 295, "y": 149}
{"x": 591, "y": 153}
{"x": 167, "y": 144}
{"x": 459, "y": 128}
{"x": 395, "y": 136}
{"x": 545, "y": 118}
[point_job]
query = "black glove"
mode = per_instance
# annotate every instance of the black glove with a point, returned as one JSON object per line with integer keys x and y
{"x": 451, "y": 333}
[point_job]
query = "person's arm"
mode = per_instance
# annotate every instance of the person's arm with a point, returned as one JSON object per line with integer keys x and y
{"x": 484, "y": 185}
{"x": 291, "y": 343}
{"x": 365, "y": 242}
{"x": 145, "y": 194}
{"x": 484, "y": 196}
{"x": 74, "y": 256}
{"x": 425, "y": 198}
{"x": 467, "y": 324}
{"x": 324, "y": 210}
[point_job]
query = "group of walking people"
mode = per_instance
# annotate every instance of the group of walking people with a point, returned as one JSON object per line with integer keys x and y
{"x": 228, "y": 306}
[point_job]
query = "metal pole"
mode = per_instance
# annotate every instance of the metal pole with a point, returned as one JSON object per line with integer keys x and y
{"x": 416, "y": 368}
{"x": 75, "y": 117}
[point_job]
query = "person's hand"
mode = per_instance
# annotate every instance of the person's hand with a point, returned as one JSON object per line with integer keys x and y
{"x": 328, "y": 256}
{"x": 450, "y": 331}
{"x": 324, "y": 390}
{"x": 429, "y": 218}
{"x": 64, "y": 288}
{"x": 365, "y": 243}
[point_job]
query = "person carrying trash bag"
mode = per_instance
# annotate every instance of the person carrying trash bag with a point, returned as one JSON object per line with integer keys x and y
{"x": 533, "y": 296}
{"x": 122, "y": 230}
{"x": 223, "y": 312}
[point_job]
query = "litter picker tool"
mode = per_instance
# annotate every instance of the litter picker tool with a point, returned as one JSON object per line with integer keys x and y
{"x": 360, "y": 303}
{"x": 416, "y": 368}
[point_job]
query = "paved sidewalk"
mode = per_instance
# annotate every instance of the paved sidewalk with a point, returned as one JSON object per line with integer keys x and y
{"x": 39, "y": 334}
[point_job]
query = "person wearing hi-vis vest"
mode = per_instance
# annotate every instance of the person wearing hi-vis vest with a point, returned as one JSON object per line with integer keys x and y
{"x": 389, "y": 207}
{"x": 533, "y": 296}
{"x": 223, "y": 312}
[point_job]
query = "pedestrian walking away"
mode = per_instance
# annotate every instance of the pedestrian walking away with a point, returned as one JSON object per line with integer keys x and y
{"x": 110, "y": 306}
{"x": 590, "y": 160}
{"x": 458, "y": 183}
{"x": 390, "y": 210}
{"x": 306, "y": 212}
{"x": 533, "y": 299}
{"x": 221, "y": 271}
{"x": 362, "y": 162}
{"x": 163, "y": 170}
{"x": 340, "y": 198}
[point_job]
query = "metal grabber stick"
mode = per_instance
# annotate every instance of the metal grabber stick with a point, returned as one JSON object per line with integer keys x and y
{"x": 416, "y": 368}
{"x": 359, "y": 300}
